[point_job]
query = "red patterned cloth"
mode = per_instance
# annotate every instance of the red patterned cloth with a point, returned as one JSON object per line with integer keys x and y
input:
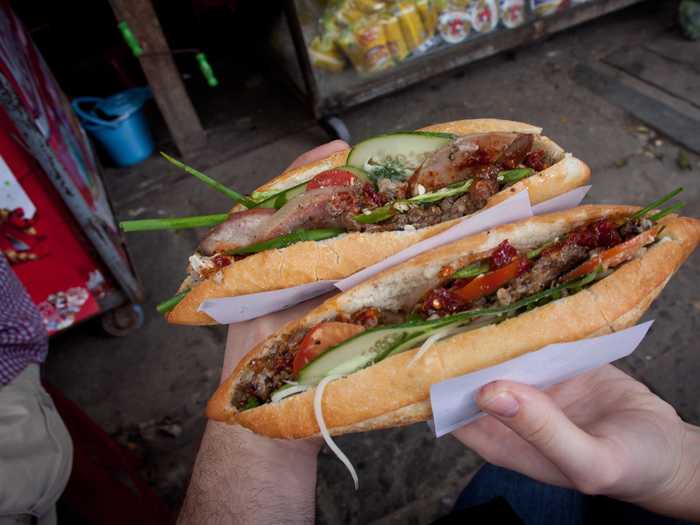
{"x": 23, "y": 338}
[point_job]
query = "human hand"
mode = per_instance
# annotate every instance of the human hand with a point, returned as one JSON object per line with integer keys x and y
{"x": 600, "y": 433}
{"x": 239, "y": 476}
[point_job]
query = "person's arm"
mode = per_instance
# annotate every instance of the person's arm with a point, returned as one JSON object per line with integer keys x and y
{"x": 239, "y": 476}
{"x": 602, "y": 433}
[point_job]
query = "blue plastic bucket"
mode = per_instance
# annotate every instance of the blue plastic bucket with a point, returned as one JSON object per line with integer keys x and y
{"x": 124, "y": 134}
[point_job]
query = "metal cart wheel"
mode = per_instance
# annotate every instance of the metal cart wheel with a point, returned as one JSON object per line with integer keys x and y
{"x": 122, "y": 320}
{"x": 336, "y": 128}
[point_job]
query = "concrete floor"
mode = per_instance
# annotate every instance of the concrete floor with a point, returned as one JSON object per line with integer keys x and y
{"x": 138, "y": 386}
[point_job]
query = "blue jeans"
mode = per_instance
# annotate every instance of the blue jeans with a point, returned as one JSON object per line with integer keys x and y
{"x": 510, "y": 497}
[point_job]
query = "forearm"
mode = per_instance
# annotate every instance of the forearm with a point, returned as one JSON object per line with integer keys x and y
{"x": 241, "y": 478}
{"x": 681, "y": 497}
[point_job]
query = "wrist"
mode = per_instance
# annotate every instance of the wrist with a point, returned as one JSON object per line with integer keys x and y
{"x": 679, "y": 496}
{"x": 241, "y": 477}
{"x": 250, "y": 447}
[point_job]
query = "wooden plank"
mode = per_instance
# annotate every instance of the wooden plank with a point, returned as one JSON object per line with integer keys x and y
{"x": 449, "y": 57}
{"x": 681, "y": 126}
{"x": 162, "y": 75}
{"x": 675, "y": 48}
{"x": 669, "y": 76}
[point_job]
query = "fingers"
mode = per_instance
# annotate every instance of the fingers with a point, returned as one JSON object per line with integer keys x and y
{"x": 321, "y": 152}
{"x": 535, "y": 417}
{"x": 499, "y": 445}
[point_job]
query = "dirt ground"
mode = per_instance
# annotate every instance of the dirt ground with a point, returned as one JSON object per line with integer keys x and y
{"x": 149, "y": 389}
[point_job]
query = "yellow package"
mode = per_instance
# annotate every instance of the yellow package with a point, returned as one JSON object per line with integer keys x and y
{"x": 373, "y": 45}
{"x": 325, "y": 55}
{"x": 411, "y": 25}
{"x": 369, "y": 6}
{"x": 428, "y": 14}
{"x": 394, "y": 37}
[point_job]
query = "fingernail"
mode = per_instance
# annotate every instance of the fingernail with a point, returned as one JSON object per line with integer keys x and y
{"x": 503, "y": 405}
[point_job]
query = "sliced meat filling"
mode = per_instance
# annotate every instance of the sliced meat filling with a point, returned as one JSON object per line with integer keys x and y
{"x": 532, "y": 277}
{"x": 480, "y": 157}
{"x": 240, "y": 229}
{"x": 319, "y": 208}
{"x": 546, "y": 269}
{"x": 465, "y": 158}
{"x": 267, "y": 373}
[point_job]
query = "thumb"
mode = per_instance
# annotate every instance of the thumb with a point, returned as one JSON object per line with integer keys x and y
{"x": 537, "y": 419}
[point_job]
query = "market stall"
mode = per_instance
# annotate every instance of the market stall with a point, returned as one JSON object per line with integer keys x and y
{"x": 57, "y": 228}
{"x": 344, "y": 52}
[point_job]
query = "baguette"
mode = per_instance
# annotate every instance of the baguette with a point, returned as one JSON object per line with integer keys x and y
{"x": 389, "y": 393}
{"x": 341, "y": 256}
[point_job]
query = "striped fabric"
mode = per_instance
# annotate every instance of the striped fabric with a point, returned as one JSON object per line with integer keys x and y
{"x": 23, "y": 338}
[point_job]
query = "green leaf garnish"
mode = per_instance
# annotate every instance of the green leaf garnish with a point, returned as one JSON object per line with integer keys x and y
{"x": 390, "y": 169}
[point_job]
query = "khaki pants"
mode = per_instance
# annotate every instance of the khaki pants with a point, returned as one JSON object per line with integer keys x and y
{"x": 36, "y": 452}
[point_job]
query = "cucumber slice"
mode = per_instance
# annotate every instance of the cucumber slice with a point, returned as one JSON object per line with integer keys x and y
{"x": 278, "y": 200}
{"x": 360, "y": 351}
{"x": 400, "y": 152}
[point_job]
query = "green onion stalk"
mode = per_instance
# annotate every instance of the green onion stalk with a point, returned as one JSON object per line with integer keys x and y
{"x": 671, "y": 209}
{"x": 473, "y": 270}
{"x": 286, "y": 240}
{"x": 171, "y": 303}
{"x": 177, "y": 223}
{"x": 512, "y": 176}
{"x": 663, "y": 200}
{"x": 386, "y": 212}
{"x": 231, "y": 194}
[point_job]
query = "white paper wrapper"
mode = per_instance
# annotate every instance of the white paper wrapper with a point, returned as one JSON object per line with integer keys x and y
{"x": 245, "y": 307}
{"x": 562, "y": 202}
{"x": 453, "y": 400}
{"x": 516, "y": 208}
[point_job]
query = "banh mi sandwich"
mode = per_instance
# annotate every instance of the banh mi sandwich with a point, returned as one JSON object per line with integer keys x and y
{"x": 334, "y": 217}
{"x": 366, "y": 358}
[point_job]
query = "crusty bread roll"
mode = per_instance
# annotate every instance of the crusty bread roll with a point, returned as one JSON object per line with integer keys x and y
{"x": 341, "y": 256}
{"x": 390, "y": 394}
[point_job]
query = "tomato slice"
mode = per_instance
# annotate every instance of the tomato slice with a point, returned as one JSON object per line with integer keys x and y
{"x": 488, "y": 283}
{"x": 320, "y": 338}
{"x": 332, "y": 177}
{"x": 614, "y": 256}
